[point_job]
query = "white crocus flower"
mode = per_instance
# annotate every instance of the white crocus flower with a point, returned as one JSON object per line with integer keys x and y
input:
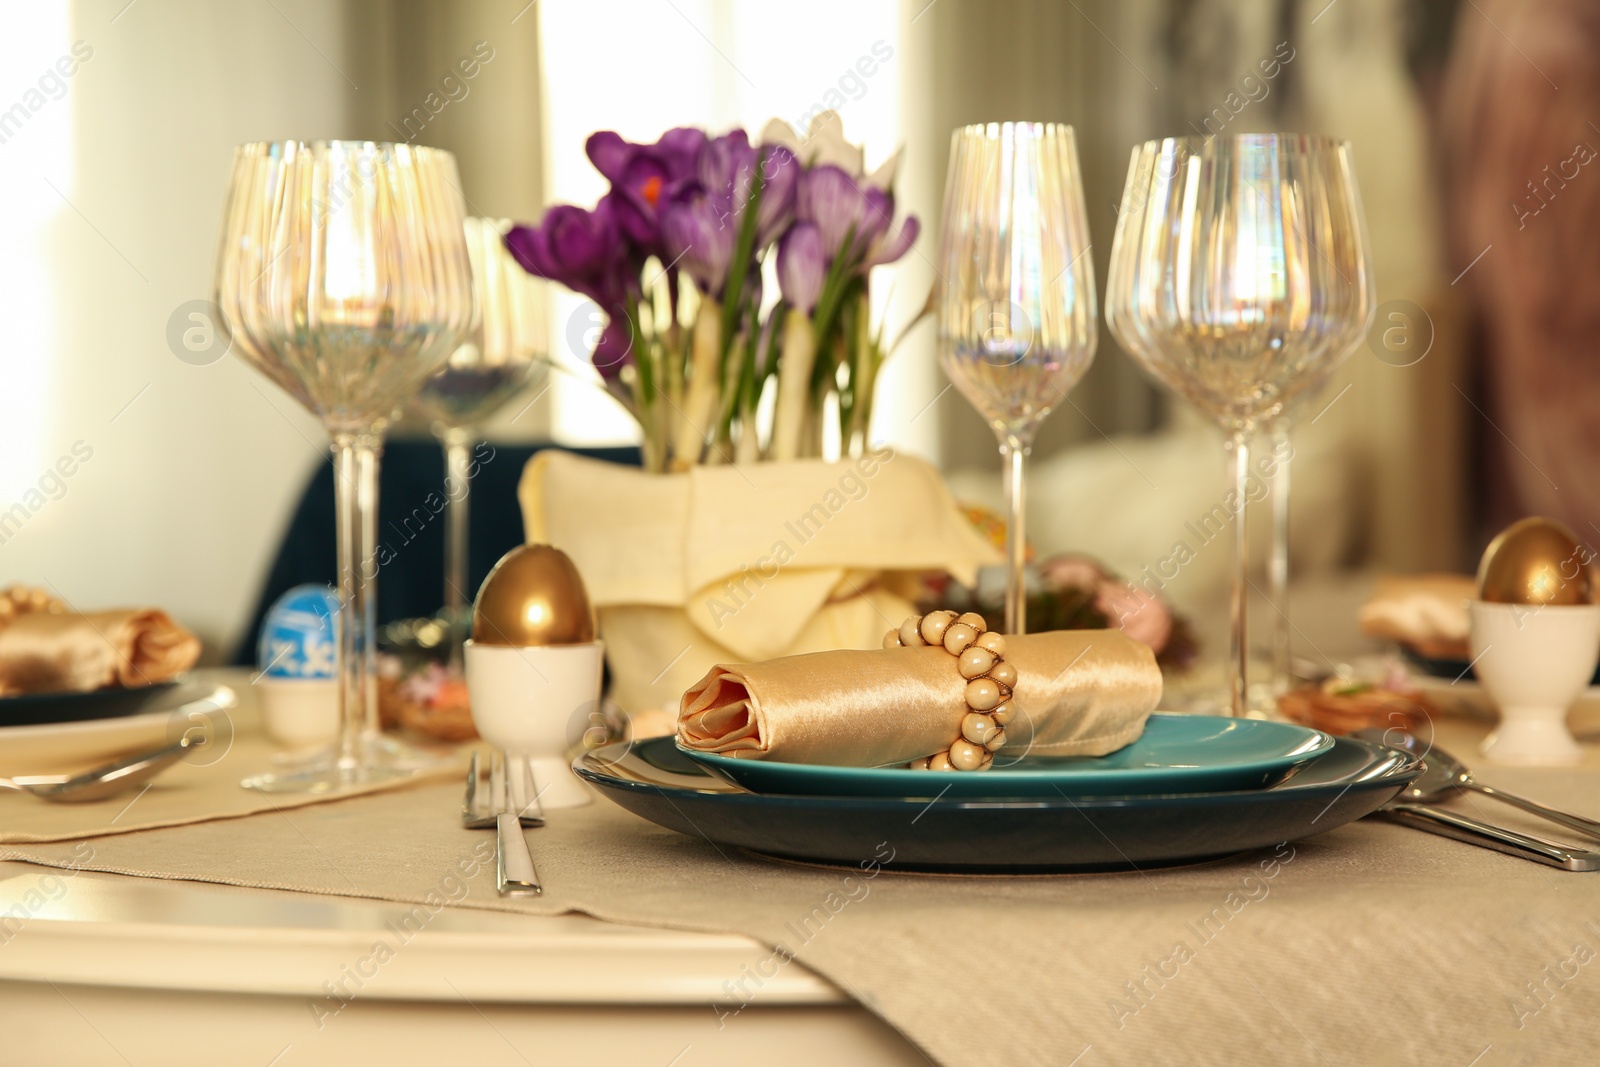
{"x": 823, "y": 143}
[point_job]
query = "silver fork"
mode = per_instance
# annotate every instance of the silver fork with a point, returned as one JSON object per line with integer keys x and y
{"x": 479, "y": 814}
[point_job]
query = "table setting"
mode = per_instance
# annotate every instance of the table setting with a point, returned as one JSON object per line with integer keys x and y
{"x": 776, "y": 683}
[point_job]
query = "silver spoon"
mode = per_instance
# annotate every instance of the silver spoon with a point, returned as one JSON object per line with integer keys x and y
{"x": 105, "y": 781}
{"x": 1444, "y": 775}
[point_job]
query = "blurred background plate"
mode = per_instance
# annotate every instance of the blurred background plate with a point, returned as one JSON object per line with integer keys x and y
{"x": 59, "y": 747}
{"x": 35, "y": 709}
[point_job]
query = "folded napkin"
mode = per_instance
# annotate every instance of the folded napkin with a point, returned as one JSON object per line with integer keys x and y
{"x": 1078, "y": 693}
{"x": 746, "y": 563}
{"x": 53, "y": 651}
{"x": 1427, "y": 612}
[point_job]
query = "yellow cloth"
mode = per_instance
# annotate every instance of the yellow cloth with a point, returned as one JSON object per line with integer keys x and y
{"x": 1078, "y": 693}
{"x": 51, "y": 652}
{"x": 744, "y": 563}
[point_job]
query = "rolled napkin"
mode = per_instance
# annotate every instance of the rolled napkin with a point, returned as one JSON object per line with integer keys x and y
{"x": 1426, "y": 612}
{"x": 1078, "y": 693}
{"x": 55, "y": 651}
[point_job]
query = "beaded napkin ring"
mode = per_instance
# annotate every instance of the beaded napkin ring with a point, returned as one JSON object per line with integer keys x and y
{"x": 980, "y": 657}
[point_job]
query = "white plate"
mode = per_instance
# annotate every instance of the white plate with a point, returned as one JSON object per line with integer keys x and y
{"x": 1468, "y": 696}
{"x": 57, "y": 748}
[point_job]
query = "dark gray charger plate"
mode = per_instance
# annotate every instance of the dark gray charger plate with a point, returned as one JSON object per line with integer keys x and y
{"x": 654, "y": 780}
{"x": 37, "y": 709}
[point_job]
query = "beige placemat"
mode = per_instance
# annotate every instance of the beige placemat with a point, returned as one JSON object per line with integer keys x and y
{"x": 204, "y": 786}
{"x": 1370, "y": 944}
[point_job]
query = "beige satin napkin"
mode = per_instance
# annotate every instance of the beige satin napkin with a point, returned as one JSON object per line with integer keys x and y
{"x": 1425, "y": 611}
{"x": 736, "y": 564}
{"x": 51, "y": 652}
{"x": 1078, "y": 693}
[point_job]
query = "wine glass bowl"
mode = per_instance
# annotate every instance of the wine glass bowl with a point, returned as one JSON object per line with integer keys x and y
{"x": 496, "y": 360}
{"x": 1239, "y": 273}
{"x": 1017, "y": 311}
{"x": 506, "y": 347}
{"x": 343, "y": 277}
{"x": 1015, "y": 307}
{"x": 1239, "y": 280}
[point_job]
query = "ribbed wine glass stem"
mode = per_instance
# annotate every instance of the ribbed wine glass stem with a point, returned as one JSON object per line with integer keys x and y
{"x": 1278, "y": 564}
{"x": 1016, "y": 453}
{"x": 1238, "y": 644}
{"x": 368, "y": 447}
{"x": 351, "y": 692}
{"x": 458, "y": 456}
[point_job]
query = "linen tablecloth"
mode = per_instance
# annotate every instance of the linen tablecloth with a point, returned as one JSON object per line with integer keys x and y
{"x": 1370, "y": 944}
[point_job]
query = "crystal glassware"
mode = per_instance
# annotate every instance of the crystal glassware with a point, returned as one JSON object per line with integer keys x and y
{"x": 343, "y": 277}
{"x": 1016, "y": 301}
{"x": 503, "y": 354}
{"x": 1239, "y": 277}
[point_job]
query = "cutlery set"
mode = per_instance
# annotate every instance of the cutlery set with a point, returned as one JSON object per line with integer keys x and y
{"x": 513, "y": 803}
{"x": 1443, "y": 776}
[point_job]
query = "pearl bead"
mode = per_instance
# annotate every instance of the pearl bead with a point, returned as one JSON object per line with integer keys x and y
{"x": 891, "y": 639}
{"x": 965, "y": 756}
{"x": 988, "y": 761}
{"x": 993, "y": 642}
{"x": 978, "y": 728}
{"x": 1002, "y": 713}
{"x": 958, "y": 637}
{"x": 911, "y": 632}
{"x": 934, "y": 624}
{"x": 974, "y": 662}
{"x": 918, "y": 764}
{"x": 974, "y": 620}
{"x": 1003, "y": 672}
{"x": 939, "y": 761}
{"x": 982, "y": 694}
{"x": 996, "y": 740}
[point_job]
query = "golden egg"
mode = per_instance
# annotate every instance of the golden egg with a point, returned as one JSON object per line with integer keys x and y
{"x": 1535, "y": 561}
{"x": 533, "y": 596}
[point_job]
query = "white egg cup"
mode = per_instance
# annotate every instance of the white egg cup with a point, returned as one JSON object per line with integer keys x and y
{"x": 1533, "y": 661}
{"x": 299, "y": 713}
{"x": 523, "y": 700}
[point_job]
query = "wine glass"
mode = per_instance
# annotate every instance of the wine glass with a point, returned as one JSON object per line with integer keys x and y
{"x": 503, "y": 353}
{"x": 1016, "y": 302}
{"x": 1239, "y": 278}
{"x": 343, "y": 277}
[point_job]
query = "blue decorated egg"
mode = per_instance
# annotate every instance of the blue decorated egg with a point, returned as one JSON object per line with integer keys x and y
{"x": 298, "y": 639}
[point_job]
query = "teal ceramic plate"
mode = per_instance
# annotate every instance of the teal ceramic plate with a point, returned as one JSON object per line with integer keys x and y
{"x": 1176, "y": 754}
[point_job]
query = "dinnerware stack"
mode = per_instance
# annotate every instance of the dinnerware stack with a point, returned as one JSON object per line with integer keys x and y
{"x": 56, "y": 734}
{"x": 1192, "y": 788}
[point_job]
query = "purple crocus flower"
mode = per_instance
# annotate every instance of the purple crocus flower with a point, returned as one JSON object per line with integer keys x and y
{"x": 614, "y": 349}
{"x": 645, "y": 177}
{"x": 893, "y": 243}
{"x": 802, "y": 266}
{"x": 580, "y": 249}
{"x": 837, "y": 203}
{"x": 700, "y": 240}
{"x": 585, "y": 251}
{"x": 726, "y": 164}
{"x": 780, "y": 175}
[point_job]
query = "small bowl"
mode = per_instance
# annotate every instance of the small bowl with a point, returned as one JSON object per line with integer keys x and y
{"x": 1533, "y": 661}
{"x": 299, "y": 712}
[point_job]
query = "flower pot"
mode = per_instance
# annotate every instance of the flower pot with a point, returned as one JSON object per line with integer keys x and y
{"x": 730, "y": 564}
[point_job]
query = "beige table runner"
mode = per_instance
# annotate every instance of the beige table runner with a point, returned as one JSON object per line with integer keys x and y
{"x": 204, "y": 786}
{"x": 1371, "y": 944}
